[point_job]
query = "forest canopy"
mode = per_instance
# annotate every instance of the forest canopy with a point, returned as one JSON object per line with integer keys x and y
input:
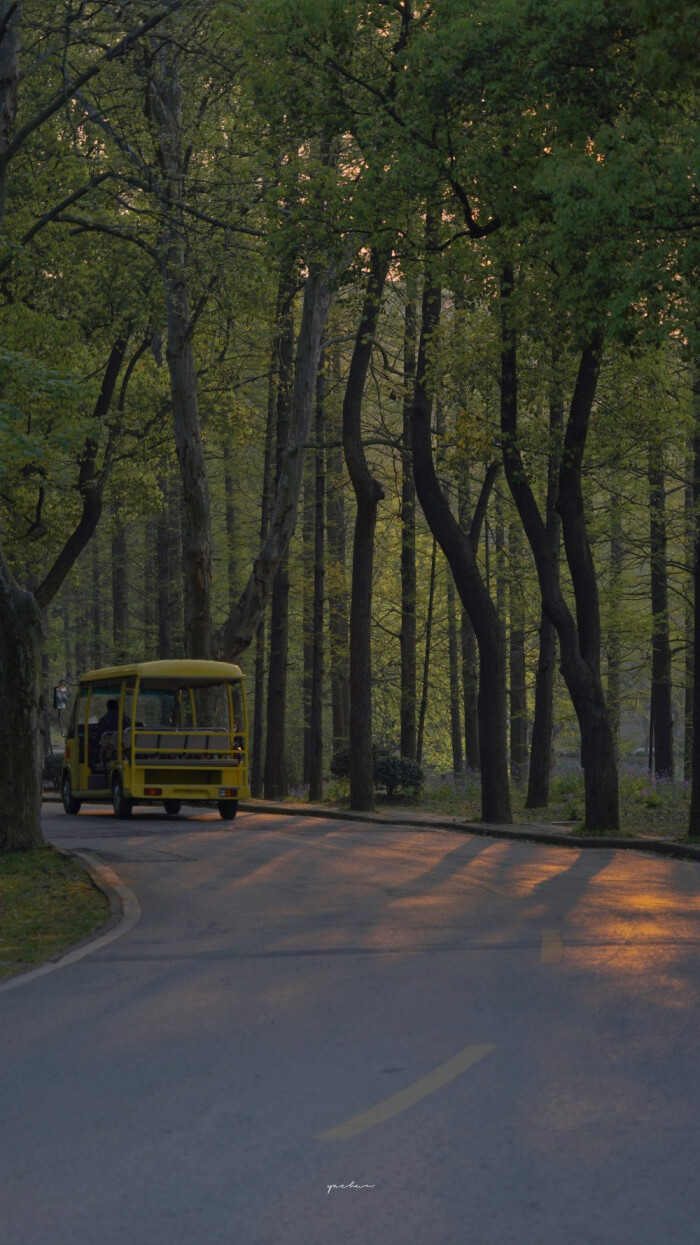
{"x": 357, "y": 343}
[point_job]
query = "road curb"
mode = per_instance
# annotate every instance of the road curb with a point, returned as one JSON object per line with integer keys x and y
{"x": 124, "y": 913}
{"x": 552, "y": 838}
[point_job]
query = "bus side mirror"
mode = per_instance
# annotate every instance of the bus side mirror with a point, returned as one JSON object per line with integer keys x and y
{"x": 60, "y": 698}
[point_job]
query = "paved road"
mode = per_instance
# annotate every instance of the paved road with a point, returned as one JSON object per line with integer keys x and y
{"x": 496, "y": 1042}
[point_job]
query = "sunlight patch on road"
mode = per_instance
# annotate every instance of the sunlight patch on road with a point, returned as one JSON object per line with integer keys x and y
{"x": 552, "y": 946}
{"x": 405, "y": 1098}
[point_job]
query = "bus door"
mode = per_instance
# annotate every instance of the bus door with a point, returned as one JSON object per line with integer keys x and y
{"x": 102, "y": 732}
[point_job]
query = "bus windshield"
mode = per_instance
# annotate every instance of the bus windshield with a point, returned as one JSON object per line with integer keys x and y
{"x": 177, "y": 705}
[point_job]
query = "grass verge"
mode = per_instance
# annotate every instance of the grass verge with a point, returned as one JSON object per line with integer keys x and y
{"x": 649, "y": 807}
{"x": 47, "y": 903}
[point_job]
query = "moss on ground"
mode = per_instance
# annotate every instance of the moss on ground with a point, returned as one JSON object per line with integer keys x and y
{"x": 47, "y": 903}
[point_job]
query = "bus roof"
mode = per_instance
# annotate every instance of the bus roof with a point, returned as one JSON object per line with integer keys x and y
{"x": 188, "y": 669}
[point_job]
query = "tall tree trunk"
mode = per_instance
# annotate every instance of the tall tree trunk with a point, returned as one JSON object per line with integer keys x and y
{"x": 493, "y": 735}
{"x": 10, "y": 25}
{"x": 22, "y": 636}
{"x": 543, "y": 720}
{"x": 338, "y": 619}
{"x": 425, "y": 685}
{"x": 164, "y": 571}
{"x": 149, "y": 587}
{"x": 368, "y": 493}
{"x": 470, "y": 671}
{"x": 518, "y": 672}
{"x": 68, "y": 672}
{"x": 690, "y": 525}
{"x": 177, "y": 613}
{"x": 21, "y": 626}
{"x": 455, "y": 699}
{"x": 660, "y": 638}
{"x": 308, "y": 530}
{"x": 275, "y": 779}
{"x": 614, "y": 637}
{"x": 120, "y": 596}
{"x": 408, "y": 542}
{"x": 46, "y": 703}
{"x": 501, "y": 595}
{"x": 579, "y": 640}
{"x": 96, "y": 606}
{"x": 256, "y": 770}
{"x": 694, "y": 819}
{"x": 241, "y": 625}
{"x": 231, "y": 532}
{"x": 453, "y": 663}
{"x": 21, "y": 621}
{"x": 166, "y": 98}
{"x": 316, "y": 716}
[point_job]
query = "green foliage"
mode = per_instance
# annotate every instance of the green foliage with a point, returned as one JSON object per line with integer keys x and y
{"x": 398, "y": 773}
{"x": 389, "y": 771}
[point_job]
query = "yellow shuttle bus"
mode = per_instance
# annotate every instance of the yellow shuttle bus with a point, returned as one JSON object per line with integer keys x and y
{"x": 158, "y": 732}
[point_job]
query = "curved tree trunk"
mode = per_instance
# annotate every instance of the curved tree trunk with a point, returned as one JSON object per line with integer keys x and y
{"x": 21, "y": 622}
{"x": 579, "y": 639}
{"x": 427, "y": 654}
{"x": 241, "y": 625}
{"x": 459, "y": 551}
{"x": 543, "y": 720}
{"x": 368, "y": 493}
{"x": 518, "y": 672}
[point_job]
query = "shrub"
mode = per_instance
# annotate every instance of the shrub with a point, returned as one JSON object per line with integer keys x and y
{"x": 340, "y": 761}
{"x": 393, "y": 772}
{"x": 389, "y": 771}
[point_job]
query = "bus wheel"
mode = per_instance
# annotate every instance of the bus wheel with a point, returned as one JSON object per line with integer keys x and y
{"x": 172, "y": 807}
{"x": 228, "y": 809}
{"x": 70, "y": 804}
{"x": 121, "y": 803}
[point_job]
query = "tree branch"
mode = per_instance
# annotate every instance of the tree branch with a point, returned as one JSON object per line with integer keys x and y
{"x": 69, "y": 89}
{"x": 89, "y": 487}
{"x": 47, "y": 217}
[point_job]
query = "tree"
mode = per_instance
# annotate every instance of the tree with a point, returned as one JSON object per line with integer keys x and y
{"x": 368, "y": 493}
{"x": 459, "y": 551}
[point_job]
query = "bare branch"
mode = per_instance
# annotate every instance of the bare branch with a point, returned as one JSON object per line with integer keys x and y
{"x": 69, "y": 89}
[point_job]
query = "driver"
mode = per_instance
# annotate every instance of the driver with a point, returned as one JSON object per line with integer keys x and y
{"x": 110, "y": 720}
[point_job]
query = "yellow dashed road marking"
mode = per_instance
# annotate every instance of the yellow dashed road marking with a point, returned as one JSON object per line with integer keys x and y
{"x": 552, "y": 946}
{"x": 442, "y": 1075}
